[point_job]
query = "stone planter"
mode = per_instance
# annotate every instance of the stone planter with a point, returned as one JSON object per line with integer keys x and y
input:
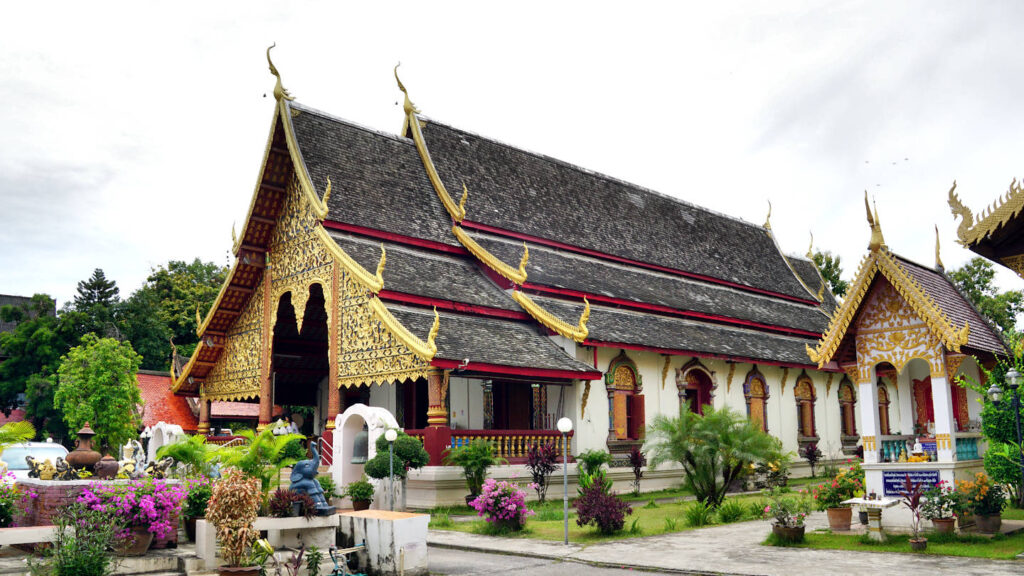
{"x": 360, "y": 505}
{"x": 238, "y": 570}
{"x": 944, "y": 525}
{"x": 919, "y": 545}
{"x": 788, "y": 533}
{"x": 988, "y": 523}
{"x": 138, "y": 544}
{"x": 839, "y": 519}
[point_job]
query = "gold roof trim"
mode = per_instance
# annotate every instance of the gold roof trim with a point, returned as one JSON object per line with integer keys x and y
{"x": 185, "y": 370}
{"x": 881, "y": 261}
{"x": 577, "y": 333}
{"x": 877, "y": 241}
{"x": 374, "y": 282}
{"x": 974, "y": 229}
{"x": 425, "y": 350}
{"x": 384, "y": 377}
{"x": 201, "y": 327}
{"x": 517, "y": 275}
{"x": 412, "y": 124}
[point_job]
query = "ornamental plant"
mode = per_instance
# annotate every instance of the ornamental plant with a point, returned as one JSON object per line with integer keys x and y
{"x": 11, "y": 500}
{"x": 82, "y": 543}
{"x": 844, "y": 486}
{"x": 912, "y": 499}
{"x": 637, "y": 460}
{"x": 153, "y": 504}
{"x": 941, "y": 501}
{"x": 813, "y": 455}
{"x": 787, "y": 511}
{"x": 502, "y": 504}
{"x": 475, "y": 458}
{"x": 981, "y": 497}
{"x": 360, "y": 490}
{"x": 233, "y": 506}
{"x": 603, "y": 508}
{"x": 199, "y": 492}
{"x": 541, "y": 461}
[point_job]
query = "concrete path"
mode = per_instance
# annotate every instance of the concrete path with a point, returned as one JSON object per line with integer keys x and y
{"x": 730, "y": 549}
{"x": 451, "y": 562}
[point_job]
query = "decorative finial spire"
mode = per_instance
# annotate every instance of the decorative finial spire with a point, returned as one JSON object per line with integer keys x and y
{"x": 234, "y": 237}
{"x": 327, "y": 193}
{"x": 432, "y": 336}
{"x": 938, "y": 258}
{"x": 279, "y": 91}
{"x": 810, "y": 248}
{"x": 585, "y": 316}
{"x": 877, "y": 241}
{"x": 768, "y": 219}
{"x": 408, "y": 106}
{"x": 524, "y": 259}
{"x": 383, "y": 259}
{"x": 967, "y": 217}
{"x": 465, "y": 196}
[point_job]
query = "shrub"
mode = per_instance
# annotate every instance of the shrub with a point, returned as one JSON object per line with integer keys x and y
{"x": 731, "y": 511}
{"x": 81, "y": 552}
{"x": 502, "y": 504}
{"x": 409, "y": 455}
{"x": 812, "y": 454}
{"x": 360, "y": 490}
{"x": 476, "y": 458}
{"x": 314, "y": 557}
{"x": 198, "y": 497}
{"x": 981, "y": 496}
{"x": 236, "y": 499}
{"x": 787, "y": 511}
{"x": 281, "y": 503}
{"x": 599, "y": 479}
{"x": 330, "y": 490}
{"x": 601, "y": 508}
{"x": 1002, "y": 465}
{"x": 844, "y": 486}
{"x": 755, "y": 508}
{"x": 150, "y": 503}
{"x": 589, "y": 462}
{"x": 698, "y": 514}
{"x": 941, "y": 501}
{"x": 542, "y": 459}
{"x": 637, "y": 460}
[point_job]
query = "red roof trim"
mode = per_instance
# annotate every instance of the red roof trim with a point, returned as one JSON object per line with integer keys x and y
{"x": 674, "y": 352}
{"x": 452, "y": 306}
{"x": 515, "y": 370}
{"x": 605, "y": 256}
{"x": 536, "y": 288}
{"x": 396, "y": 238}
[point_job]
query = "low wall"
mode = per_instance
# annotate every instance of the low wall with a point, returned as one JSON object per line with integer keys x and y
{"x": 52, "y": 495}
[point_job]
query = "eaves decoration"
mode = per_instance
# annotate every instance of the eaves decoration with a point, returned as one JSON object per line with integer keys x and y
{"x": 516, "y": 275}
{"x": 973, "y": 229}
{"x": 577, "y": 333}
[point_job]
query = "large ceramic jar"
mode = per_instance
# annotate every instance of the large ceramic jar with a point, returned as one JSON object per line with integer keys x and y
{"x": 83, "y": 457}
{"x": 839, "y": 519}
{"x": 106, "y": 468}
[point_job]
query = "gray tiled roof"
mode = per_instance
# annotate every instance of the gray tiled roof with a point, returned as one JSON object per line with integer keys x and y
{"x": 809, "y": 274}
{"x": 377, "y": 180}
{"x": 561, "y": 269}
{"x": 982, "y": 336}
{"x": 543, "y": 197}
{"x": 489, "y": 340}
{"x": 629, "y": 327}
{"x": 427, "y": 274}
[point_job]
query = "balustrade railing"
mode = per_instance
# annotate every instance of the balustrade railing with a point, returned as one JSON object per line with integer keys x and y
{"x": 224, "y": 440}
{"x": 512, "y": 445}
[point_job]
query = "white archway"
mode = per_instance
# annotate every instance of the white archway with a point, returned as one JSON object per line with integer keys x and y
{"x": 346, "y": 426}
{"x": 162, "y": 434}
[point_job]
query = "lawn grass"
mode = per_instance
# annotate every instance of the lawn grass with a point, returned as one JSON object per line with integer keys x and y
{"x": 1013, "y": 513}
{"x": 998, "y": 547}
{"x": 644, "y": 521}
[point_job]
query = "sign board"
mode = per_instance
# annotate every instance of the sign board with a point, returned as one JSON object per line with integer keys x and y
{"x": 894, "y": 481}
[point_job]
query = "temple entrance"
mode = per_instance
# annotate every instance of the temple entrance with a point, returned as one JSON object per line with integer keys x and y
{"x": 924, "y": 408}
{"x": 695, "y": 388}
{"x": 299, "y": 364}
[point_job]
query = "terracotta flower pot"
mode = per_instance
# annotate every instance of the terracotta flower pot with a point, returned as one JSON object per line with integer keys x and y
{"x": 137, "y": 543}
{"x": 944, "y": 525}
{"x": 988, "y": 523}
{"x": 239, "y": 571}
{"x": 788, "y": 533}
{"x": 839, "y": 519}
{"x": 360, "y": 505}
{"x": 919, "y": 545}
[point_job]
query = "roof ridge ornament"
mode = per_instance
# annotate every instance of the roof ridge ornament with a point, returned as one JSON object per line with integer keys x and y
{"x": 877, "y": 241}
{"x": 327, "y": 193}
{"x": 967, "y": 217}
{"x": 810, "y": 248}
{"x": 524, "y": 260}
{"x": 407, "y": 106}
{"x": 380, "y": 265}
{"x": 462, "y": 202}
{"x": 768, "y": 218}
{"x": 279, "y": 89}
{"x": 516, "y": 275}
{"x": 577, "y": 333}
{"x": 938, "y": 257}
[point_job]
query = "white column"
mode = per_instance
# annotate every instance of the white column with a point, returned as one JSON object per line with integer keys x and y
{"x": 868, "y": 397}
{"x": 945, "y": 425}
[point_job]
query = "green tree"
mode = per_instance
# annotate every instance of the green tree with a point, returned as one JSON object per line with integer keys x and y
{"x": 975, "y": 280}
{"x": 97, "y": 298}
{"x": 97, "y": 385}
{"x": 714, "y": 449}
{"x": 178, "y": 289}
{"x": 39, "y": 407}
{"x": 143, "y": 325}
{"x": 831, "y": 270}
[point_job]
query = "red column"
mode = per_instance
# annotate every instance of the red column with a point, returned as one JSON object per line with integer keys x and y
{"x": 437, "y": 436}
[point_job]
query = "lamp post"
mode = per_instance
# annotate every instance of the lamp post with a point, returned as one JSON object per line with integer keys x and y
{"x": 995, "y": 393}
{"x": 390, "y": 436}
{"x": 565, "y": 426}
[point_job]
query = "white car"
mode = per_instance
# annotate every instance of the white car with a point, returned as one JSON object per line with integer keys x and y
{"x": 14, "y": 455}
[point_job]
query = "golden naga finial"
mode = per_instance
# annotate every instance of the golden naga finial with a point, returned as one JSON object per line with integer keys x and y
{"x": 279, "y": 90}
{"x": 234, "y": 237}
{"x": 584, "y": 317}
{"x": 174, "y": 357}
{"x": 768, "y": 219}
{"x": 810, "y": 249}
{"x": 523, "y": 260}
{"x": 432, "y": 337}
{"x": 327, "y": 193}
{"x": 462, "y": 202}
{"x": 821, "y": 291}
{"x": 408, "y": 106}
{"x": 938, "y": 258}
{"x": 813, "y": 354}
{"x": 380, "y": 264}
{"x": 967, "y": 217}
{"x": 877, "y": 241}
{"x": 199, "y": 319}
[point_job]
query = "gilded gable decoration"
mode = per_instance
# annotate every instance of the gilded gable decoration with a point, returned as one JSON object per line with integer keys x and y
{"x": 236, "y": 375}
{"x": 972, "y": 228}
{"x": 890, "y": 331}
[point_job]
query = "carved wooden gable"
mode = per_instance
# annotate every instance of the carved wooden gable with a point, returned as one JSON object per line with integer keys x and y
{"x": 889, "y": 330}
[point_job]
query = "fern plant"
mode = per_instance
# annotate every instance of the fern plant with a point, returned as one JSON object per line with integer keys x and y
{"x": 263, "y": 456}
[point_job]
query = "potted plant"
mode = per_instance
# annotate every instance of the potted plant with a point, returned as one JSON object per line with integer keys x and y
{"x": 986, "y": 501}
{"x": 475, "y": 458}
{"x": 912, "y": 499}
{"x": 829, "y": 496}
{"x": 788, "y": 514}
{"x": 147, "y": 506}
{"x": 232, "y": 510}
{"x": 283, "y": 503}
{"x": 195, "y": 505}
{"x": 941, "y": 504}
{"x": 361, "y": 494}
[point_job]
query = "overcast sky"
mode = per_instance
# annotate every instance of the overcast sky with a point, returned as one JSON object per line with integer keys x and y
{"x": 132, "y": 133}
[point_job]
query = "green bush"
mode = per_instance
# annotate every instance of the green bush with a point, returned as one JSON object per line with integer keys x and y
{"x": 80, "y": 552}
{"x": 698, "y": 514}
{"x": 755, "y": 508}
{"x": 196, "y": 501}
{"x": 475, "y": 458}
{"x": 409, "y": 455}
{"x": 328, "y": 486}
{"x": 590, "y": 461}
{"x": 1003, "y": 470}
{"x": 731, "y": 511}
{"x": 360, "y": 490}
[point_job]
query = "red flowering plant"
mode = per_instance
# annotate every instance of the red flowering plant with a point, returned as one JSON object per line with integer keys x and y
{"x": 146, "y": 502}
{"x": 844, "y": 486}
{"x": 502, "y": 504}
{"x": 12, "y": 499}
{"x": 942, "y": 501}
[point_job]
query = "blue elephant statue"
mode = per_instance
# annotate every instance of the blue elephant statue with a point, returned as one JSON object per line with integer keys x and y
{"x": 304, "y": 481}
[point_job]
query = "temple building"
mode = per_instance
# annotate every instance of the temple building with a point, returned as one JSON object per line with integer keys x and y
{"x": 473, "y": 289}
{"x": 998, "y": 232}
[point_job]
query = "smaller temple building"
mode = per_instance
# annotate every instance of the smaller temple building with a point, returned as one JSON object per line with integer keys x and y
{"x": 908, "y": 338}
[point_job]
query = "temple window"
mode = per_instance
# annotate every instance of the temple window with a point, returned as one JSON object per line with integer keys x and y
{"x": 695, "y": 386}
{"x": 883, "y": 409}
{"x": 755, "y": 390}
{"x": 804, "y": 393}
{"x": 847, "y": 407}
{"x": 625, "y": 401}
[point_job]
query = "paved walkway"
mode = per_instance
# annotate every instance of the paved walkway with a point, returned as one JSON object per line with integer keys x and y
{"x": 731, "y": 549}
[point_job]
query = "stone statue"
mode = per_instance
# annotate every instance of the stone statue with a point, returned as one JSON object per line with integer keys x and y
{"x": 129, "y": 467}
{"x": 42, "y": 469}
{"x": 157, "y": 469}
{"x": 304, "y": 482}
{"x": 65, "y": 471}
